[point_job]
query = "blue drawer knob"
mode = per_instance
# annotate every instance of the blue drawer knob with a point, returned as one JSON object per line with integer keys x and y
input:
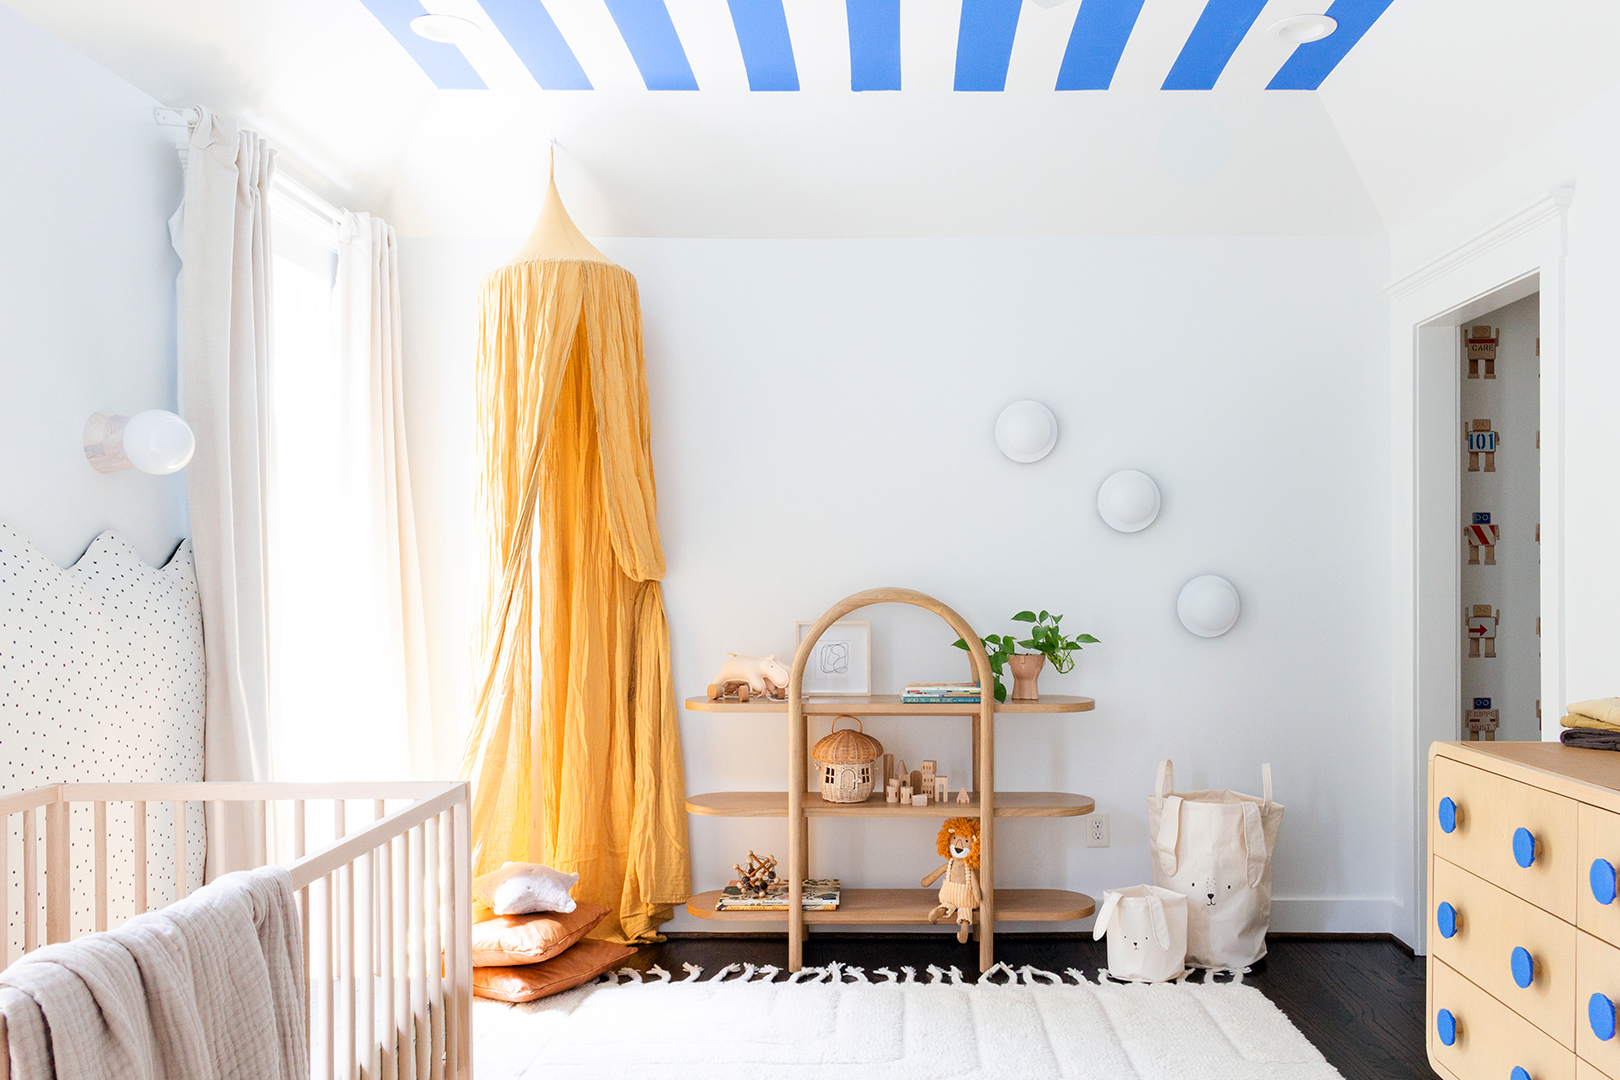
{"x": 1445, "y": 1025}
{"x": 1524, "y": 967}
{"x": 1603, "y": 881}
{"x": 1524, "y": 847}
{"x": 1600, "y": 1013}
{"x": 1446, "y": 916}
{"x": 1519, "y": 1073}
{"x": 1448, "y": 815}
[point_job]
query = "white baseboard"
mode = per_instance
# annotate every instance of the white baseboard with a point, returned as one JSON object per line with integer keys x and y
{"x": 1333, "y": 916}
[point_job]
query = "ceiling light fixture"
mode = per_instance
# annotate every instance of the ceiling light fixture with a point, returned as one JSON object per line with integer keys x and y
{"x": 1300, "y": 29}
{"x": 450, "y": 29}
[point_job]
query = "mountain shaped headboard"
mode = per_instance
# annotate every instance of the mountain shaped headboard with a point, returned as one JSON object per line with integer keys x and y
{"x": 102, "y": 681}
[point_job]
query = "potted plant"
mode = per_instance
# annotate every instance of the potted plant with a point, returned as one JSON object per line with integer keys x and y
{"x": 1046, "y": 641}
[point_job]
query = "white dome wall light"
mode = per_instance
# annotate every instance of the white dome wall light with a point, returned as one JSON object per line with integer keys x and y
{"x": 1026, "y": 431}
{"x": 1208, "y": 605}
{"x": 154, "y": 441}
{"x": 1303, "y": 29}
{"x": 1128, "y": 501}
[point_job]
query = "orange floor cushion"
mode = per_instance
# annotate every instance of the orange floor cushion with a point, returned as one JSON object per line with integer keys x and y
{"x": 578, "y": 964}
{"x": 509, "y": 940}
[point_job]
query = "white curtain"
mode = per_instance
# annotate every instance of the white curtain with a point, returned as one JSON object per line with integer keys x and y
{"x": 222, "y": 232}
{"x": 348, "y": 639}
{"x": 370, "y": 356}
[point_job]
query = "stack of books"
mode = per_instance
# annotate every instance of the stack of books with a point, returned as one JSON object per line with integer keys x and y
{"x": 940, "y": 693}
{"x": 820, "y": 894}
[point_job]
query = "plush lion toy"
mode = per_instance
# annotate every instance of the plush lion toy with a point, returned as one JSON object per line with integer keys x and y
{"x": 959, "y": 896}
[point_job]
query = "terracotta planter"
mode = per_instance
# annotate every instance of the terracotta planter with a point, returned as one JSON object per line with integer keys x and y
{"x": 1026, "y": 669}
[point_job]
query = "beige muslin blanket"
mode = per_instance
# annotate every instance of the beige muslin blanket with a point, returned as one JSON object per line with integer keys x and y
{"x": 209, "y": 988}
{"x": 1599, "y": 714}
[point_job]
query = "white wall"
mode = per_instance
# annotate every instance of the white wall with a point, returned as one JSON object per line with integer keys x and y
{"x": 809, "y": 396}
{"x": 86, "y": 294}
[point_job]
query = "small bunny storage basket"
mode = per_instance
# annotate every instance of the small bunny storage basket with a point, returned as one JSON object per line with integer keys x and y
{"x": 1214, "y": 848}
{"x": 846, "y": 760}
{"x": 1147, "y": 933}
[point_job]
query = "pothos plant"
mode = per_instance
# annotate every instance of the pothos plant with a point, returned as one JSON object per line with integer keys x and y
{"x": 1046, "y": 637}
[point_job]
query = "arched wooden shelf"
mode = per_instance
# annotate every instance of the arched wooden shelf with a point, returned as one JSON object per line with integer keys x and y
{"x": 775, "y": 804}
{"x": 858, "y": 907}
{"x": 910, "y": 907}
{"x": 891, "y": 705}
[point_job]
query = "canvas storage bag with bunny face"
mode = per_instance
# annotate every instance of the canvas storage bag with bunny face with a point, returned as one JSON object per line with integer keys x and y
{"x": 1214, "y": 848}
{"x": 1147, "y": 933}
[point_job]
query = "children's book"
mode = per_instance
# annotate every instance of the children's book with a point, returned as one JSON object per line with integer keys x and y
{"x": 820, "y": 894}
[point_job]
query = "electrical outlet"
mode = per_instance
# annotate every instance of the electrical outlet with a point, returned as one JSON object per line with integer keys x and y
{"x": 1097, "y": 830}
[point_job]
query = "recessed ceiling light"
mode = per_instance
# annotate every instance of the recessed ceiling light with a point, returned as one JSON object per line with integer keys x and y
{"x": 1303, "y": 28}
{"x": 446, "y": 28}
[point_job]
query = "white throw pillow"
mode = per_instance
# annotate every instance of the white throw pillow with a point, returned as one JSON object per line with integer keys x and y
{"x": 520, "y": 888}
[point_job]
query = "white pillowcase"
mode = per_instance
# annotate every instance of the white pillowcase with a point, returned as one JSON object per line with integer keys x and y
{"x": 520, "y": 888}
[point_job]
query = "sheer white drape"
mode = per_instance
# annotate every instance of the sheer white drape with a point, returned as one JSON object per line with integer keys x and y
{"x": 222, "y": 232}
{"x": 350, "y": 645}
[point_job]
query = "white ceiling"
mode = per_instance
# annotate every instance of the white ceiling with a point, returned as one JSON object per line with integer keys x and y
{"x": 1394, "y": 128}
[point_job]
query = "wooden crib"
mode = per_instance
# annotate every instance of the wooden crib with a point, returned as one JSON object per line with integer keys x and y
{"x": 385, "y": 900}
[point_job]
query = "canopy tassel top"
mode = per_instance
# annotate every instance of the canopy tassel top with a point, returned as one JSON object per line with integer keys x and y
{"x": 573, "y": 748}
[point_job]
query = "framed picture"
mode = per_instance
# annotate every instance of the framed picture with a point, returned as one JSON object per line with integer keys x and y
{"x": 842, "y": 660}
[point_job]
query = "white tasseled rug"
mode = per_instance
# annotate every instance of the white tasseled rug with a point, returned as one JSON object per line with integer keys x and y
{"x": 840, "y": 1023}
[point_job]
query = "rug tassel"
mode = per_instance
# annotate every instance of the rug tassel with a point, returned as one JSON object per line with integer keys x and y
{"x": 891, "y": 977}
{"x": 692, "y": 972}
{"x": 857, "y": 975}
{"x": 719, "y": 976}
{"x": 1012, "y": 976}
{"x": 909, "y": 974}
{"x": 956, "y": 975}
{"x": 663, "y": 976}
{"x": 768, "y": 973}
{"x": 1031, "y": 973}
{"x": 1080, "y": 977}
{"x": 748, "y": 973}
{"x": 629, "y": 974}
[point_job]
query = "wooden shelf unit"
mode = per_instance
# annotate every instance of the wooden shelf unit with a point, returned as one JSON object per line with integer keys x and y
{"x": 910, "y": 907}
{"x": 891, "y": 705}
{"x": 775, "y": 804}
{"x": 893, "y": 906}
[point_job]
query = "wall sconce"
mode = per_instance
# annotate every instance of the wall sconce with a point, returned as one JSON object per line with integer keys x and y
{"x": 1128, "y": 501}
{"x": 1026, "y": 431}
{"x": 1208, "y": 605}
{"x": 154, "y": 441}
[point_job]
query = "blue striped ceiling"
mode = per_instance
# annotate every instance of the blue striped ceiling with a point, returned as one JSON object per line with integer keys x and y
{"x": 763, "y": 33}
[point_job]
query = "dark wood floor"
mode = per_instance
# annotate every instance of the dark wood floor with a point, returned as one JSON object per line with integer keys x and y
{"x": 1359, "y": 1001}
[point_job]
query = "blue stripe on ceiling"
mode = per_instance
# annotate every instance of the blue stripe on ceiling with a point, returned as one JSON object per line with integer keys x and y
{"x": 1314, "y": 61}
{"x": 874, "y": 44}
{"x": 647, "y": 30}
{"x": 1095, "y": 44}
{"x": 1215, "y": 37}
{"x": 527, "y": 27}
{"x": 984, "y": 43}
{"x": 767, "y": 50}
{"x": 442, "y": 62}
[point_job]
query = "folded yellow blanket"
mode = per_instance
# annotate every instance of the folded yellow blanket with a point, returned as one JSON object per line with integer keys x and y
{"x": 1590, "y": 724}
{"x": 1606, "y": 710}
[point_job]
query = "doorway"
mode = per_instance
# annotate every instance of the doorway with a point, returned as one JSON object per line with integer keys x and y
{"x": 1499, "y": 421}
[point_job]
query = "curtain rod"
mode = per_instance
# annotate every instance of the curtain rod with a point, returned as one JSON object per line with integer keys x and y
{"x": 188, "y": 117}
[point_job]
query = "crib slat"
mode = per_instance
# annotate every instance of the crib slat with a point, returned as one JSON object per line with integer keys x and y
{"x": 418, "y": 962}
{"x": 138, "y": 821}
{"x": 100, "y": 852}
{"x": 430, "y": 960}
{"x": 179, "y": 850}
{"x": 365, "y": 1027}
{"x": 320, "y": 980}
{"x": 344, "y": 915}
{"x": 387, "y": 1019}
{"x": 406, "y": 1059}
{"x": 58, "y": 871}
{"x": 461, "y": 909}
{"x": 298, "y": 828}
{"x": 30, "y": 879}
{"x": 264, "y": 856}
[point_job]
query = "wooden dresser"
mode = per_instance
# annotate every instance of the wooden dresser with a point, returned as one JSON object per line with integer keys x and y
{"x": 1524, "y": 928}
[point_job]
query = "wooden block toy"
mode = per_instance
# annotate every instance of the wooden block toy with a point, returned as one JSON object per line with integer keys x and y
{"x": 1481, "y": 720}
{"x": 1481, "y": 621}
{"x": 891, "y": 793}
{"x": 1481, "y": 442}
{"x": 916, "y": 780}
{"x": 888, "y": 769}
{"x": 942, "y": 788}
{"x": 1481, "y": 536}
{"x": 919, "y": 799}
{"x": 1481, "y": 346}
{"x": 927, "y": 769}
{"x": 962, "y": 797}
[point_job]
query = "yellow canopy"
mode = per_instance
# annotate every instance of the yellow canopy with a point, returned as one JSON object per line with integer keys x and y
{"x": 574, "y": 751}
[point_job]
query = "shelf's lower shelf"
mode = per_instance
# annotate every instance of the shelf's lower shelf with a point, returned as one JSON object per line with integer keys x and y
{"x": 774, "y": 804}
{"x": 908, "y": 907}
